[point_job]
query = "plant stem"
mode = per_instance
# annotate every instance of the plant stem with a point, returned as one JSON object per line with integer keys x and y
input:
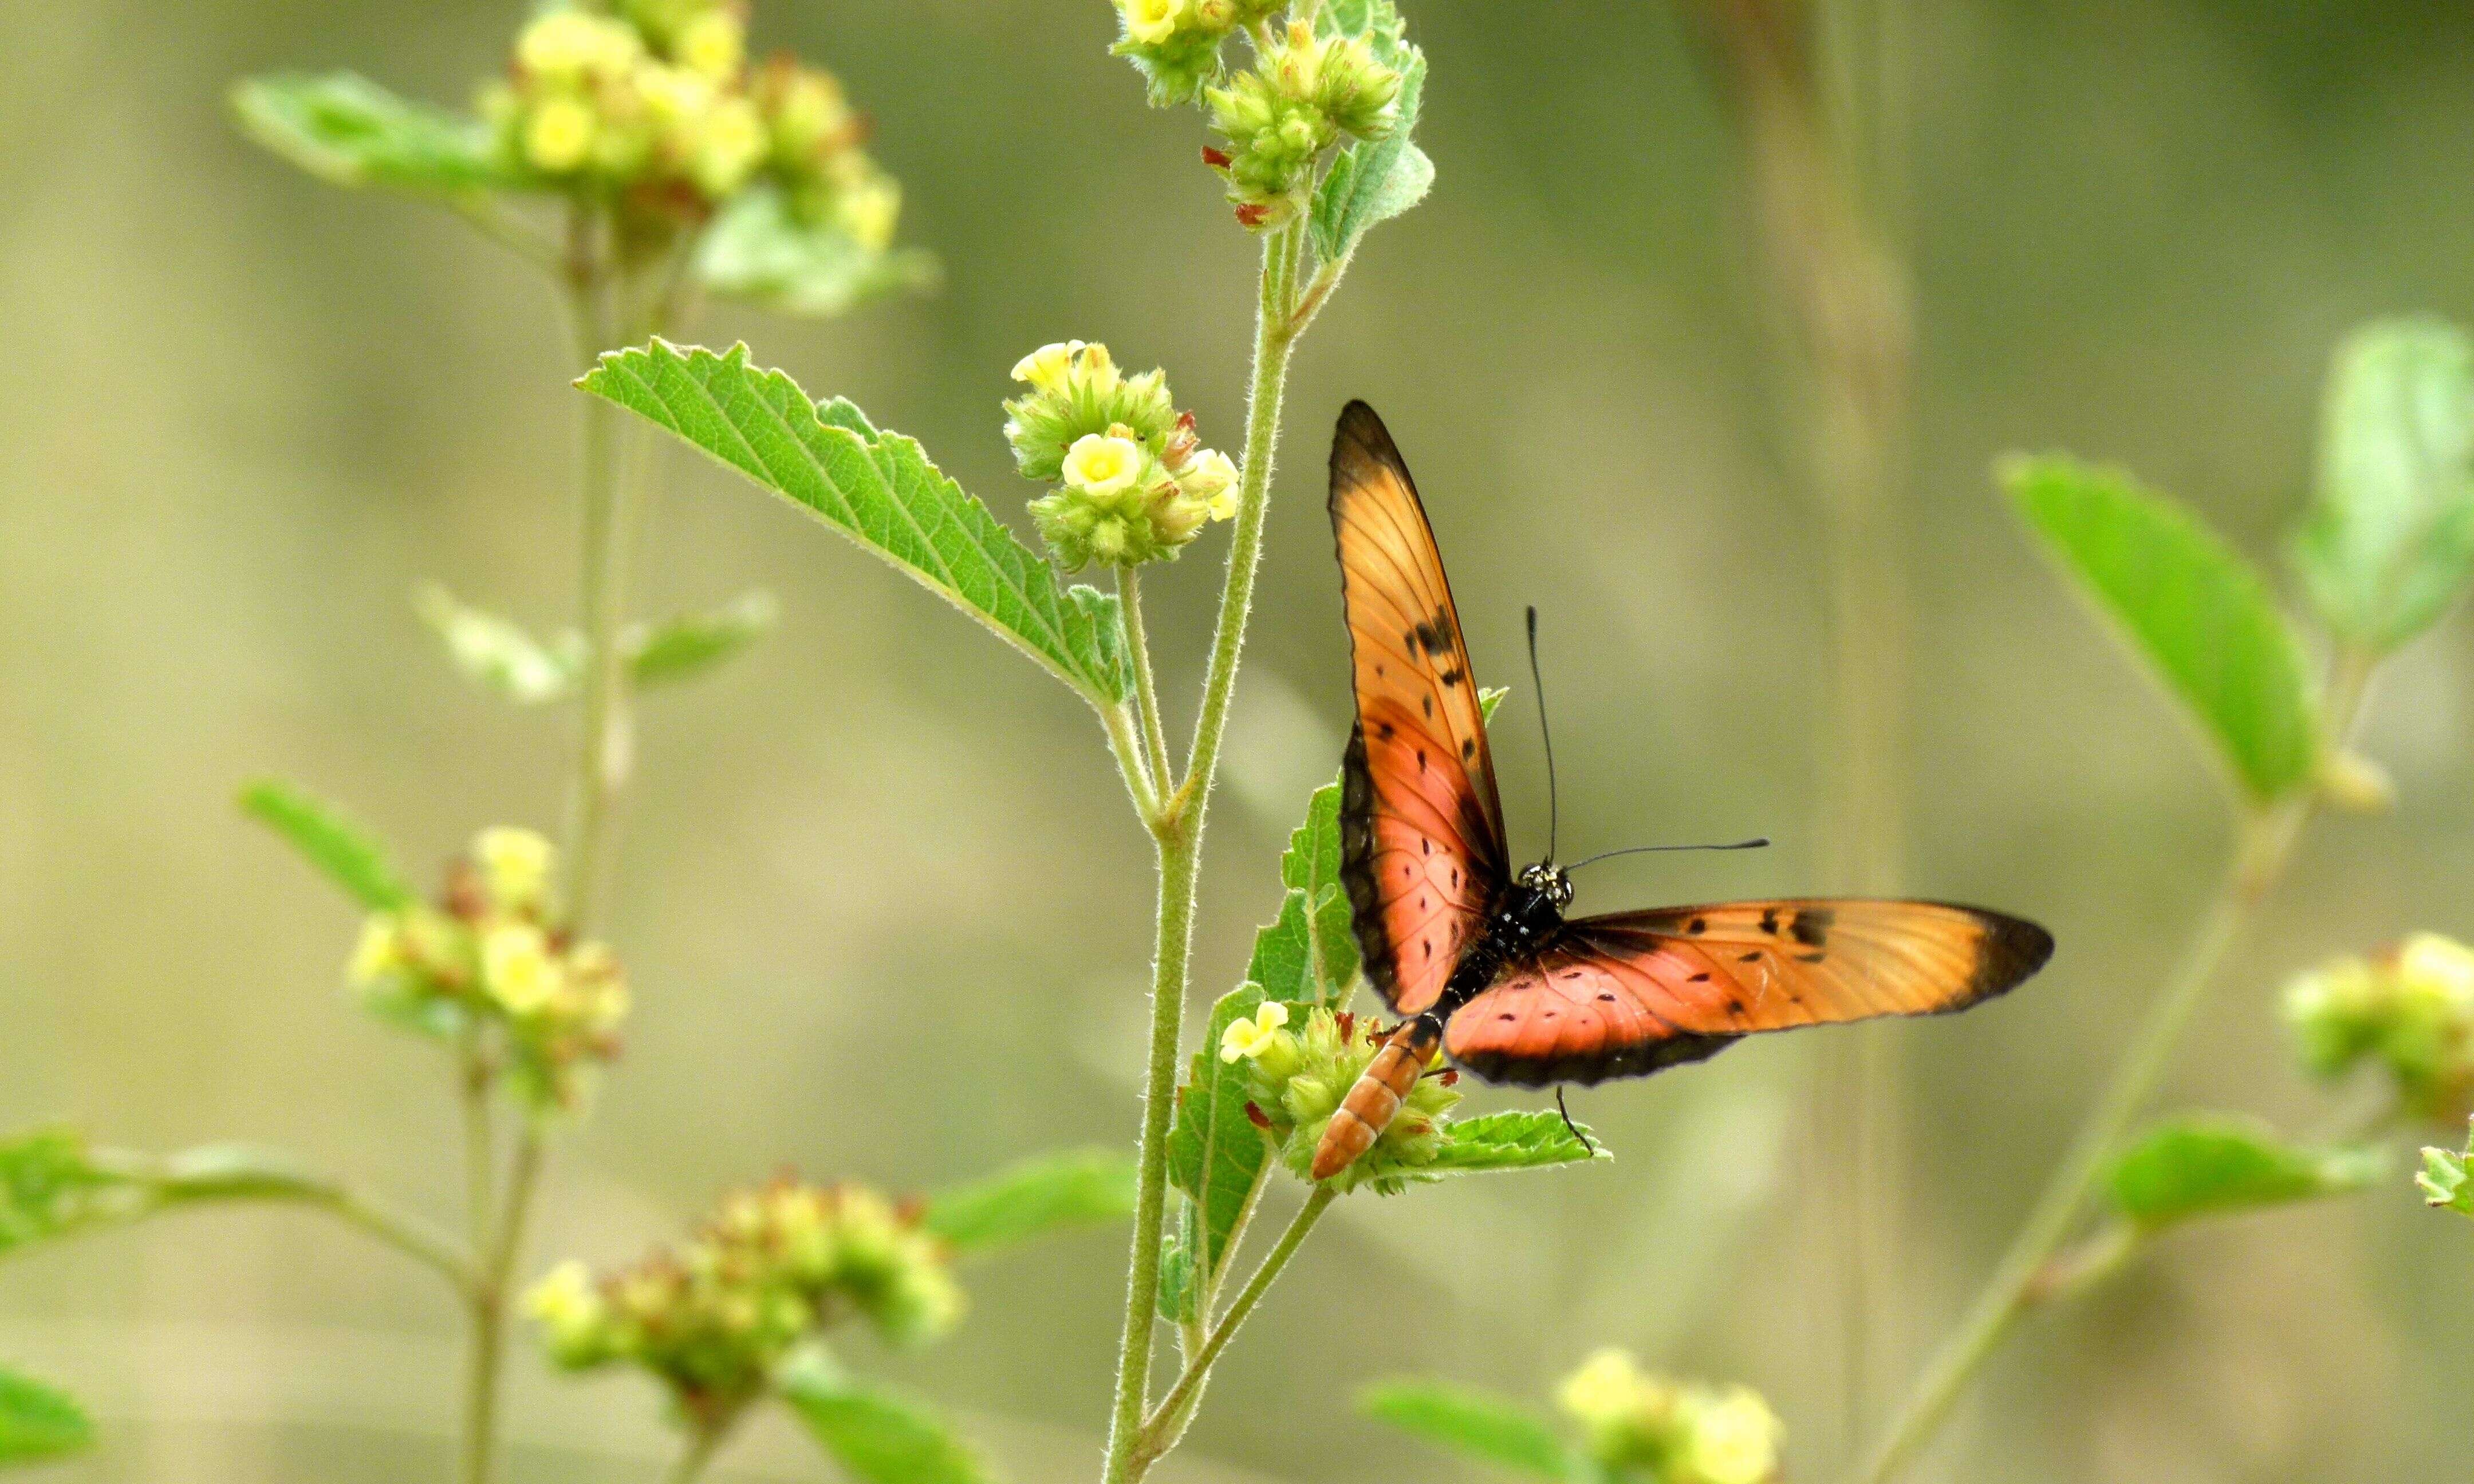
{"x": 1177, "y": 828}
{"x": 406, "y": 1235}
{"x": 601, "y": 759}
{"x": 2263, "y": 849}
{"x": 1125, "y": 742}
{"x": 1146, "y": 679}
{"x": 1166, "y": 1422}
{"x": 702, "y": 1443}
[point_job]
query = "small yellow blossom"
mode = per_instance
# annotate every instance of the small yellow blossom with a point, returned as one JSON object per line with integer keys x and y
{"x": 869, "y": 211}
{"x": 673, "y": 96}
{"x": 379, "y": 951}
{"x": 1152, "y": 21}
{"x": 515, "y": 867}
{"x": 729, "y": 146}
{"x": 1734, "y": 1439}
{"x": 567, "y": 45}
{"x": 517, "y": 967}
{"x": 1045, "y": 368}
{"x": 1607, "y": 1389}
{"x": 713, "y": 45}
{"x": 1211, "y": 478}
{"x": 2439, "y": 967}
{"x": 559, "y": 136}
{"x": 1102, "y": 463}
{"x": 1250, "y": 1036}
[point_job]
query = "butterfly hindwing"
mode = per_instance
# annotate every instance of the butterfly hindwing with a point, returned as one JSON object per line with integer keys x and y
{"x": 1421, "y": 830}
{"x": 1625, "y": 995}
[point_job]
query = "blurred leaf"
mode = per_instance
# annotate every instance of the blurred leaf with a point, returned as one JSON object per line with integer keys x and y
{"x": 2390, "y": 540}
{"x": 1077, "y": 1188}
{"x": 497, "y": 654}
{"x": 49, "y": 1187}
{"x": 2197, "y": 611}
{"x": 759, "y": 251}
{"x": 2445, "y": 1180}
{"x": 1474, "y": 1424}
{"x": 2206, "y": 1165}
{"x": 349, "y": 130}
{"x": 876, "y": 1436}
{"x": 1372, "y": 181}
{"x": 687, "y": 646}
{"x": 1216, "y": 1155}
{"x": 36, "y": 1421}
{"x": 1520, "y": 1140}
{"x": 881, "y": 492}
{"x": 329, "y": 841}
{"x": 235, "y": 1172}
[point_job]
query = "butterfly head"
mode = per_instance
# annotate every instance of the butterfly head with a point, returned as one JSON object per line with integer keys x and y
{"x": 1548, "y": 880}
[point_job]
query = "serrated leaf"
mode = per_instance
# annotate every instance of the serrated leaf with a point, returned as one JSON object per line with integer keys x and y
{"x": 497, "y": 654}
{"x": 36, "y": 1421}
{"x": 1373, "y": 180}
{"x": 1520, "y": 1140}
{"x": 2389, "y": 542}
{"x": 2197, "y": 612}
{"x": 1474, "y": 1424}
{"x": 330, "y": 841}
{"x": 1217, "y": 1155}
{"x": 2445, "y": 1182}
{"x": 759, "y": 251}
{"x": 881, "y": 492}
{"x": 1045, "y": 1194}
{"x": 2210, "y": 1165}
{"x": 691, "y": 644}
{"x": 349, "y": 130}
{"x": 874, "y": 1435}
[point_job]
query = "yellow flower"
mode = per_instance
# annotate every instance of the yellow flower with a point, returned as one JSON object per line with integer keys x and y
{"x": 380, "y": 951}
{"x": 559, "y": 136}
{"x": 515, "y": 867}
{"x": 713, "y": 45}
{"x": 1152, "y": 21}
{"x": 517, "y": 967}
{"x": 566, "y": 45}
{"x": 568, "y": 1305}
{"x": 869, "y": 211}
{"x": 1252, "y": 1036}
{"x": 1605, "y": 1390}
{"x": 673, "y": 96}
{"x": 729, "y": 146}
{"x": 2439, "y": 967}
{"x": 1734, "y": 1439}
{"x": 1101, "y": 463}
{"x": 1046, "y": 367}
{"x": 1210, "y": 477}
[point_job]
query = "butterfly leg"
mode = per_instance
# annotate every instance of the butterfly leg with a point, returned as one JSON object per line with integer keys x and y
{"x": 1574, "y": 1126}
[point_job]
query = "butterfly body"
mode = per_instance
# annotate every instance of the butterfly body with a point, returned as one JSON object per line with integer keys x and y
{"x": 1480, "y": 959}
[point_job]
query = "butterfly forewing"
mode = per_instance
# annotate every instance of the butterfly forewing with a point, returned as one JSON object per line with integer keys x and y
{"x": 1627, "y": 993}
{"x": 1422, "y": 849}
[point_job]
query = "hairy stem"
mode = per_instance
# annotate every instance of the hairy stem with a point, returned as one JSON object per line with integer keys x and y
{"x": 2264, "y": 847}
{"x": 1168, "y": 1421}
{"x": 601, "y": 750}
{"x": 1138, "y": 643}
{"x": 1178, "y": 829}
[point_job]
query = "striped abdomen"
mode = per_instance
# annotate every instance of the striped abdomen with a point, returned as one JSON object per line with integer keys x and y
{"x": 1375, "y": 1100}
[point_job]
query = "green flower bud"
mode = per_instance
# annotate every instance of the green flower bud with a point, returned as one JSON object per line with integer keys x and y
{"x": 1357, "y": 92}
{"x": 1633, "y": 1421}
{"x": 1077, "y": 390}
{"x": 576, "y": 1322}
{"x": 1174, "y": 44}
{"x": 1299, "y": 1090}
{"x": 2411, "y": 1011}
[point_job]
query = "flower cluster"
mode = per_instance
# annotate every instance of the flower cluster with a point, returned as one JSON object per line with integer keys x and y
{"x": 715, "y": 1316}
{"x": 1136, "y": 483}
{"x": 1176, "y": 43}
{"x": 1639, "y": 1426}
{"x": 490, "y": 955}
{"x": 1298, "y": 1078}
{"x": 2408, "y": 1009}
{"x": 652, "y": 102}
{"x": 1304, "y": 94}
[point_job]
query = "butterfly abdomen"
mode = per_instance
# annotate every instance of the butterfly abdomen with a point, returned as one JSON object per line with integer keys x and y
{"x": 1375, "y": 1100}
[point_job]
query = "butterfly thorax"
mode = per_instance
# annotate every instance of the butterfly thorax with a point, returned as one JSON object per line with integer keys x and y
{"x": 1525, "y": 916}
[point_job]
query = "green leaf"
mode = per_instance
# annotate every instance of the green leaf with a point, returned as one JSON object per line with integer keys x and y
{"x": 2197, "y": 610}
{"x": 1372, "y": 181}
{"x": 1217, "y": 1155}
{"x": 1474, "y": 1424}
{"x": 691, "y": 644}
{"x": 759, "y": 251}
{"x": 881, "y": 492}
{"x": 1054, "y": 1191}
{"x": 1520, "y": 1139}
{"x": 49, "y": 1187}
{"x": 330, "y": 842}
{"x": 36, "y": 1421}
{"x": 2390, "y": 540}
{"x": 2207, "y": 1165}
{"x": 2446, "y": 1182}
{"x": 497, "y": 654}
{"x": 349, "y": 130}
{"x": 875, "y": 1435}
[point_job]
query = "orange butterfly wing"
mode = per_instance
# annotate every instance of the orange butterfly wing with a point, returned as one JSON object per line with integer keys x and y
{"x": 1422, "y": 852}
{"x": 1626, "y": 995}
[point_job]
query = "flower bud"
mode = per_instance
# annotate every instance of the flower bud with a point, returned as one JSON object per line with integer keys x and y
{"x": 574, "y": 1320}
{"x": 1300, "y": 1085}
{"x": 515, "y": 867}
{"x": 517, "y": 969}
{"x": 1211, "y": 480}
{"x": 2410, "y": 1010}
{"x": 1633, "y": 1422}
{"x": 713, "y": 45}
{"x": 559, "y": 136}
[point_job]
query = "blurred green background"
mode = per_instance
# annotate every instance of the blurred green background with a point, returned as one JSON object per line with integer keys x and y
{"x": 882, "y": 899}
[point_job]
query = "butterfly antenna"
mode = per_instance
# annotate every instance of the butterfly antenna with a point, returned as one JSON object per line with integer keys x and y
{"x": 1537, "y": 684}
{"x": 1758, "y": 842}
{"x": 1574, "y": 1126}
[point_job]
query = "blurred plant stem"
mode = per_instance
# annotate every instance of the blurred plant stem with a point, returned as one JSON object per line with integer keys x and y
{"x": 1175, "y": 822}
{"x": 2264, "y": 847}
{"x": 1817, "y": 97}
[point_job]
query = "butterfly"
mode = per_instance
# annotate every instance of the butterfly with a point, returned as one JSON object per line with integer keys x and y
{"x": 1479, "y": 957}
